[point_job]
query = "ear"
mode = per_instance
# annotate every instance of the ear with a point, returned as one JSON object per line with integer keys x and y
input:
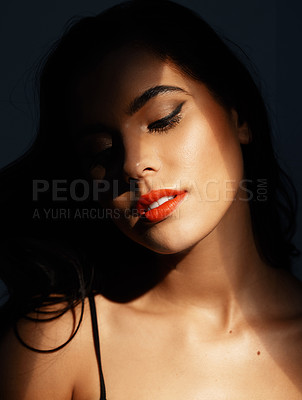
{"x": 243, "y": 131}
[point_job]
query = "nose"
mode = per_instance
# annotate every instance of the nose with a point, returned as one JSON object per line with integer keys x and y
{"x": 141, "y": 159}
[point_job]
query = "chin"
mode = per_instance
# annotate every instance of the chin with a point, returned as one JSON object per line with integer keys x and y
{"x": 172, "y": 241}
{"x": 165, "y": 248}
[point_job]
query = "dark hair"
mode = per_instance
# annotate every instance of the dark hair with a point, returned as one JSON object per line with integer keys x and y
{"x": 60, "y": 256}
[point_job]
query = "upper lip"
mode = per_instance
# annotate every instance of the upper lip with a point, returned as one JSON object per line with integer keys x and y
{"x": 155, "y": 195}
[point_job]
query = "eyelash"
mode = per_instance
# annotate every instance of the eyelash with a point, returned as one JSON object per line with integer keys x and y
{"x": 168, "y": 122}
{"x": 162, "y": 125}
{"x": 103, "y": 158}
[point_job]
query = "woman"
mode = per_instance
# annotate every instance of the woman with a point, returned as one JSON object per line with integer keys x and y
{"x": 194, "y": 299}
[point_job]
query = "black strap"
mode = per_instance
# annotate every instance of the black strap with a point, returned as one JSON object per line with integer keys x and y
{"x": 97, "y": 344}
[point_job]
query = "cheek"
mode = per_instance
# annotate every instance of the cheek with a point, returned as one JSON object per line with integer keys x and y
{"x": 215, "y": 148}
{"x": 208, "y": 158}
{"x": 203, "y": 147}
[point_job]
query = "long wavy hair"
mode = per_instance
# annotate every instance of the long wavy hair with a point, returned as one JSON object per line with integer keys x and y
{"x": 63, "y": 260}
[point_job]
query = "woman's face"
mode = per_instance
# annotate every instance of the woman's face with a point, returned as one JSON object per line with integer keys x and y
{"x": 142, "y": 126}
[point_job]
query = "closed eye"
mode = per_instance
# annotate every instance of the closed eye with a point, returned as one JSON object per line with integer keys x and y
{"x": 105, "y": 157}
{"x": 102, "y": 158}
{"x": 167, "y": 122}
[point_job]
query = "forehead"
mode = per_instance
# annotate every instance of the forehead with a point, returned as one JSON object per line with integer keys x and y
{"x": 123, "y": 75}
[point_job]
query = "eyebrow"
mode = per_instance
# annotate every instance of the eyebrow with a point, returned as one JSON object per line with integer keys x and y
{"x": 132, "y": 108}
{"x": 142, "y": 99}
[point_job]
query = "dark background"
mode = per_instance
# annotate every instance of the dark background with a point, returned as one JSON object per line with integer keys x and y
{"x": 269, "y": 31}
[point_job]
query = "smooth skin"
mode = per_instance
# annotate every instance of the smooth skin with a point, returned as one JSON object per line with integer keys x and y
{"x": 222, "y": 324}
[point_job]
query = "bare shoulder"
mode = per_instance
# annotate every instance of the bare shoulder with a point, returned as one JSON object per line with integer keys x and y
{"x": 44, "y": 373}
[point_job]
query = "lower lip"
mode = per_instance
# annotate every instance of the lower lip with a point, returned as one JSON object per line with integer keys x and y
{"x": 163, "y": 211}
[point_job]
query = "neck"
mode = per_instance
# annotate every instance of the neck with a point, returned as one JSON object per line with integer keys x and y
{"x": 222, "y": 272}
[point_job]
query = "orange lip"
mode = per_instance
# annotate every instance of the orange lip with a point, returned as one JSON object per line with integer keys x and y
{"x": 164, "y": 210}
